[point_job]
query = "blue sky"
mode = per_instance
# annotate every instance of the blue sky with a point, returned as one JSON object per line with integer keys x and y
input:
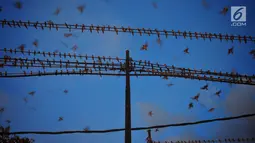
{"x": 99, "y": 103}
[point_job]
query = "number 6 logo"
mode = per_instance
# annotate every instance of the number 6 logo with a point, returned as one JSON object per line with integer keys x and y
{"x": 237, "y": 15}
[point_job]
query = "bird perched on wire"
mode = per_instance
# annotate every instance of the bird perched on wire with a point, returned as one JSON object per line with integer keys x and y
{"x": 18, "y": 4}
{"x": 231, "y": 51}
{"x": 81, "y": 8}
{"x": 224, "y": 10}
{"x": 21, "y": 47}
{"x": 86, "y": 129}
{"x": 60, "y": 119}
{"x": 218, "y": 93}
{"x": 205, "y": 87}
{"x": 196, "y": 97}
{"x": 186, "y": 51}
{"x": 57, "y": 11}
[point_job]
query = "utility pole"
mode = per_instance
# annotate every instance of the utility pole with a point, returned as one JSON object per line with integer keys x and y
{"x": 127, "y": 102}
{"x": 149, "y": 139}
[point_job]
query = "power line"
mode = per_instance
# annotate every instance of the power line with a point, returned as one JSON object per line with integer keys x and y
{"x": 134, "y": 129}
{"x": 141, "y": 31}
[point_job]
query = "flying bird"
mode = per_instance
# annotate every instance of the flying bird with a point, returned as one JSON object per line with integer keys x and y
{"x": 159, "y": 41}
{"x": 218, "y": 93}
{"x": 205, "y": 87}
{"x": 170, "y": 84}
{"x": 150, "y": 113}
{"x": 196, "y": 97}
{"x": 21, "y": 47}
{"x": 35, "y": 43}
{"x": 25, "y": 99}
{"x": 156, "y": 130}
{"x": 66, "y": 35}
{"x": 74, "y": 48}
{"x": 81, "y": 8}
{"x": 60, "y": 119}
{"x": 186, "y": 51}
{"x": 32, "y": 93}
{"x": 1, "y": 109}
{"x": 57, "y": 11}
{"x": 252, "y": 52}
{"x": 231, "y": 51}
{"x": 144, "y": 47}
{"x": 155, "y": 5}
{"x": 191, "y": 105}
{"x": 65, "y": 91}
{"x": 224, "y": 10}
{"x": 205, "y": 4}
{"x": 8, "y": 121}
{"x": 18, "y": 4}
{"x": 211, "y": 110}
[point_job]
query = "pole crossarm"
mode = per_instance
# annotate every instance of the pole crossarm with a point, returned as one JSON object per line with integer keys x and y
{"x": 141, "y": 31}
{"x": 100, "y": 65}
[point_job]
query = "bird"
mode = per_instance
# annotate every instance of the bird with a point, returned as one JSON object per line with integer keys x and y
{"x": 68, "y": 35}
{"x": 25, "y": 99}
{"x": 21, "y": 47}
{"x": 144, "y": 47}
{"x": 74, "y": 48}
{"x": 32, "y": 93}
{"x": 159, "y": 41}
{"x": 57, "y": 11}
{"x": 156, "y": 130}
{"x": 211, "y": 110}
{"x": 2, "y": 109}
{"x": 231, "y": 51}
{"x": 81, "y": 8}
{"x": 170, "y": 84}
{"x": 8, "y": 121}
{"x": 191, "y": 105}
{"x": 65, "y": 91}
{"x": 155, "y": 5}
{"x": 218, "y": 93}
{"x": 60, "y": 119}
{"x": 252, "y": 52}
{"x": 196, "y": 97}
{"x": 1, "y": 8}
{"x": 18, "y": 4}
{"x": 86, "y": 129}
{"x": 224, "y": 10}
{"x": 205, "y": 4}
{"x": 186, "y": 51}
{"x": 205, "y": 87}
{"x": 150, "y": 113}
{"x": 35, "y": 43}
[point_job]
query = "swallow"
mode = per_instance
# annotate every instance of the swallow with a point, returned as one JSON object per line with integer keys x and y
{"x": 155, "y": 5}
{"x": 156, "y": 130}
{"x": 25, "y": 99}
{"x": 22, "y": 47}
{"x": 2, "y": 110}
{"x": 196, "y": 97}
{"x": 35, "y": 43}
{"x": 186, "y": 51}
{"x": 60, "y": 119}
{"x": 18, "y": 5}
{"x": 86, "y": 129}
{"x": 218, "y": 93}
{"x": 170, "y": 84}
{"x": 144, "y": 47}
{"x": 159, "y": 41}
{"x": 191, "y": 105}
{"x": 65, "y": 91}
{"x": 74, "y": 48}
{"x": 205, "y": 87}
{"x": 66, "y": 35}
{"x": 231, "y": 51}
{"x": 57, "y": 11}
{"x": 224, "y": 10}
{"x": 8, "y": 121}
{"x": 32, "y": 93}
{"x": 150, "y": 113}
{"x": 211, "y": 110}
{"x": 81, "y": 8}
